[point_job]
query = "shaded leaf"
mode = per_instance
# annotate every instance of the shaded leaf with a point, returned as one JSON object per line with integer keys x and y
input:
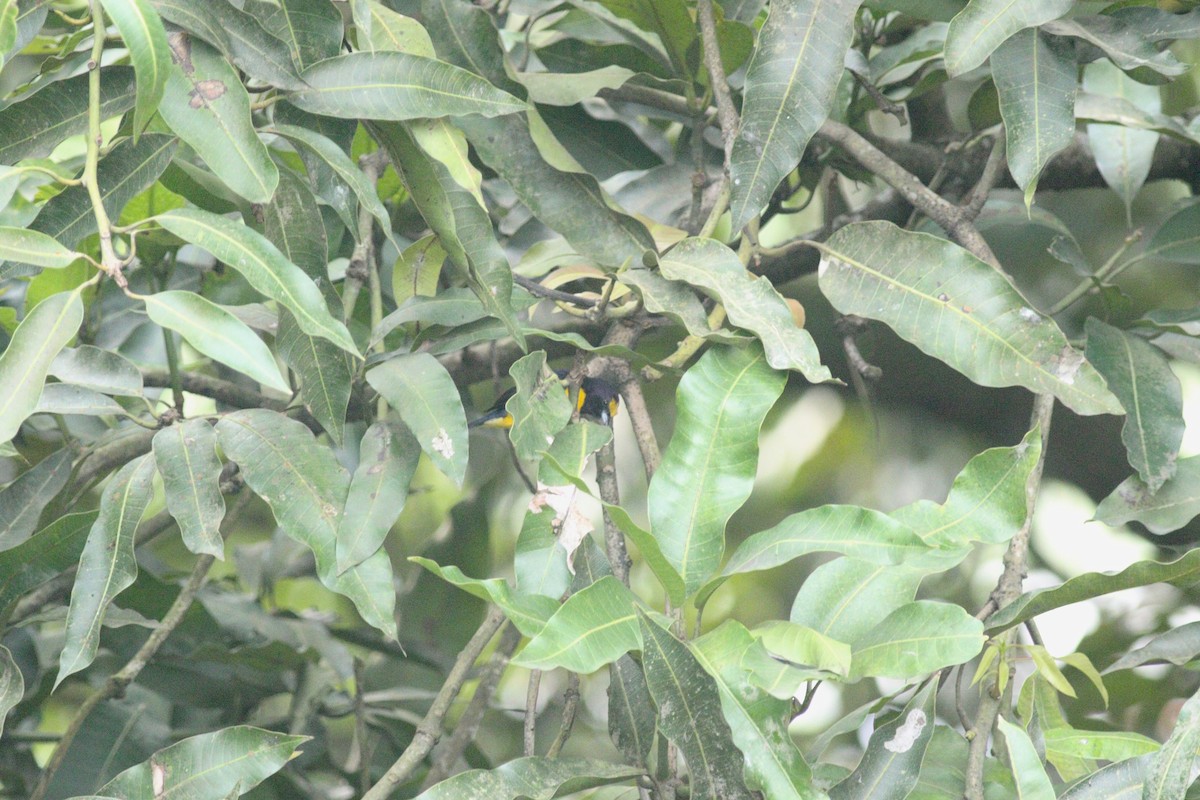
{"x": 689, "y": 705}
{"x": 63, "y": 398}
{"x": 1127, "y": 44}
{"x": 24, "y": 363}
{"x": 790, "y": 86}
{"x": 425, "y": 396}
{"x": 206, "y": 104}
{"x": 142, "y": 30}
{"x": 594, "y": 627}
{"x": 223, "y": 763}
{"x": 535, "y": 778}
{"x": 1175, "y": 503}
{"x": 751, "y": 302}
{"x": 891, "y": 764}
{"x": 1170, "y": 771}
{"x": 1028, "y": 769}
{"x": 1177, "y": 238}
{"x": 12, "y": 684}
{"x": 528, "y": 612}
{"x": 917, "y": 639}
{"x": 261, "y": 263}
{"x": 956, "y": 308}
{"x": 42, "y": 556}
{"x": 216, "y": 333}
{"x": 97, "y": 369}
{"x": 673, "y": 298}
{"x": 305, "y": 487}
{"x": 1113, "y": 782}
{"x": 324, "y": 371}
{"x": 186, "y": 455}
{"x": 539, "y": 407}
{"x": 708, "y": 469}
{"x": 1176, "y": 646}
{"x": 292, "y": 222}
{"x": 1123, "y": 155}
{"x": 378, "y": 490}
{"x": 107, "y": 565}
{"x": 311, "y": 29}
{"x": 631, "y": 712}
{"x": 984, "y": 25}
{"x": 22, "y": 501}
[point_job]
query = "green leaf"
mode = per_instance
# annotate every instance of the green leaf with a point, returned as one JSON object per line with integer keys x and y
{"x": 1119, "y": 111}
{"x": 1177, "y": 646}
{"x": 1141, "y": 378}
{"x": 392, "y": 31}
{"x": 844, "y": 598}
{"x": 1182, "y": 571}
{"x": 942, "y": 775}
{"x": 1028, "y": 769}
{"x": 23, "y": 365}
{"x": 891, "y": 764}
{"x": 596, "y": 626}
{"x": 1035, "y": 80}
{"x": 107, "y": 565}
{"x": 534, "y": 778}
{"x": 1170, "y": 771}
{"x": 12, "y": 684}
{"x": 292, "y": 222}
{"x": 263, "y": 266}
{"x": 186, "y": 454}
{"x": 63, "y": 398}
{"x": 690, "y": 713}
{"x": 306, "y": 489}
{"x": 1175, "y": 503}
{"x": 238, "y": 35}
{"x": 324, "y": 371}
{"x": 23, "y": 500}
{"x": 388, "y": 85}
{"x": 984, "y": 25}
{"x": 100, "y": 370}
{"x": 43, "y": 555}
{"x": 217, "y": 334}
{"x": 539, "y": 408}
{"x": 528, "y": 612}
{"x": 567, "y": 89}
{"x": 802, "y": 645}
{"x": 673, "y": 298}
{"x": 1123, "y": 155}
{"x": 957, "y": 309}
{"x": 773, "y": 764}
{"x": 206, "y": 104}
{"x": 631, "y": 712}
{"x": 708, "y": 469}
{"x": 425, "y": 396}
{"x": 32, "y": 247}
{"x": 224, "y": 763}
{"x": 1118, "y": 781}
{"x": 378, "y": 489}
{"x": 917, "y": 639}
{"x": 311, "y": 29}
{"x": 1177, "y": 239}
{"x": 146, "y": 40}
{"x": 751, "y": 302}
{"x": 1127, "y": 44}
{"x": 34, "y": 126}
{"x": 1105, "y": 745}
{"x": 790, "y": 86}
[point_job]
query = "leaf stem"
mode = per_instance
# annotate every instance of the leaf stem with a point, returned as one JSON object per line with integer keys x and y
{"x": 109, "y": 262}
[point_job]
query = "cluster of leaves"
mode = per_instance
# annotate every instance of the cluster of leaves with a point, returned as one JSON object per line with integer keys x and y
{"x": 252, "y": 251}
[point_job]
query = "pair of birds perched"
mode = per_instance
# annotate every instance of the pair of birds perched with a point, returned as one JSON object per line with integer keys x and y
{"x": 598, "y": 400}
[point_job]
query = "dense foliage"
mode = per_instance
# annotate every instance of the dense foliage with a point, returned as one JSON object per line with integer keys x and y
{"x": 262, "y": 260}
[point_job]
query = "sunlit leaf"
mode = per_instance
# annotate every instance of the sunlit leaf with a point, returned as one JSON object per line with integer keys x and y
{"x": 983, "y": 25}
{"x": 916, "y": 639}
{"x": 142, "y": 30}
{"x": 24, "y": 363}
{"x": 892, "y": 762}
{"x": 32, "y": 247}
{"x": 845, "y": 598}
{"x": 378, "y": 490}
{"x": 186, "y": 455}
{"x": 596, "y": 626}
{"x": 1028, "y": 768}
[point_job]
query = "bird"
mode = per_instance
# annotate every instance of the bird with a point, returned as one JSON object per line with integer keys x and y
{"x": 598, "y": 399}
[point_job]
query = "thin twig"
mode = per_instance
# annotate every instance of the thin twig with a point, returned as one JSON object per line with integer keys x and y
{"x": 430, "y": 729}
{"x": 119, "y": 680}
{"x": 529, "y": 729}
{"x": 992, "y": 170}
{"x": 614, "y": 539}
{"x": 570, "y": 707}
{"x": 726, "y": 114}
{"x": 535, "y": 288}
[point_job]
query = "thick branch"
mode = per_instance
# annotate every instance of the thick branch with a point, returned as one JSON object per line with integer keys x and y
{"x": 221, "y": 390}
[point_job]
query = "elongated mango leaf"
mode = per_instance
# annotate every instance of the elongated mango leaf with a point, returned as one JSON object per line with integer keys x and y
{"x": 1177, "y": 646}
{"x": 1035, "y": 80}
{"x": 425, "y": 396}
{"x": 773, "y": 764}
{"x": 378, "y": 489}
{"x": 12, "y": 684}
{"x": 124, "y": 172}
{"x": 984, "y": 25}
{"x": 223, "y": 763}
{"x": 528, "y": 612}
{"x": 238, "y": 35}
{"x": 678, "y": 682}
{"x": 388, "y": 85}
{"x": 1123, "y": 154}
{"x": 216, "y": 333}
{"x": 916, "y": 639}
{"x": 790, "y": 86}
{"x": 186, "y": 455}
{"x": 312, "y": 31}
{"x": 22, "y": 501}
{"x": 539, "y": 407}
{"x": 596, "y": 626}
{"x": 1028, "y": 769}
{"x": 858, "y": 532}
{"x": 43, "y": 555}
{"x": 1175, "y": 503}
{"x": 957, "y": 309}
{"x": 1141, "y": 378}
{"x": 292, "y": 222}
{"x": 34, "y": 126}
{"x": 1170, "y": 770}
{"x": 1181, "y": 571}
{"x": 63, "y": 398}
{"x": 708, "y": 468}
{"x": 306, "y": 488}
{"x": 261, "y": 263}
{"x": 631, "y": 712}
{"x": 1177, "y": 238}
{"x": 32, "y": 247}
{"x": 673, "y": 298}
{"x": 845, "y": 598}
{"x": 802, "y": 645}
{"x": 206, "y": 104}
{"x": 1125, "y": 779}
{"x": 98, "y": 370}
{"x": 24, "y": 363}
{"x": 1129, "y": 44}
{"x": 1104, "y": 745}
{"x": 891, "y": 764}
{"x": 535, "y": 778}
{"x": 324, "y": 371}
{"x": 462, "y": 225}
{"x": 107, "y": 565}
{"x": 142, "y": 30}
{"x": 751, "y": 303}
